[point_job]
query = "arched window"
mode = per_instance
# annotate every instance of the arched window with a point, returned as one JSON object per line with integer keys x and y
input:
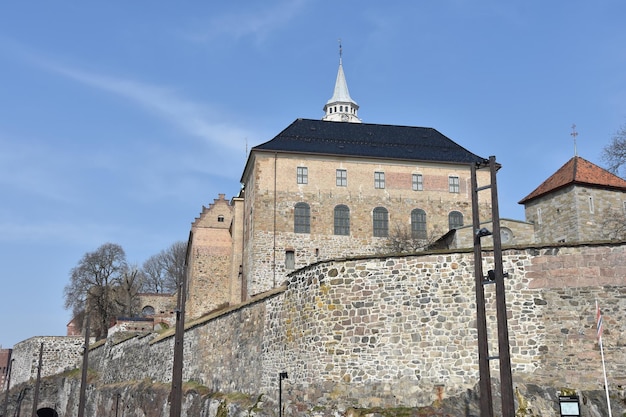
{"x": 418, "y": 224}
{"x": 455, "y": 220}
{"x": 381, "y": 222}
{"x": 147, "y": 311}
{"x": 342, "y": 220}
{"x": 302, "y": 218}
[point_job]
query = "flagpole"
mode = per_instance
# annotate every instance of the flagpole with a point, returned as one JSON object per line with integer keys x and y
{"x": 599, "y": 333}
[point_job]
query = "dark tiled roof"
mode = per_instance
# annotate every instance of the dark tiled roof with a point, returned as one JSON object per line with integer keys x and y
{"x": 368, "y": 141}
{"x": 577, "y": 171}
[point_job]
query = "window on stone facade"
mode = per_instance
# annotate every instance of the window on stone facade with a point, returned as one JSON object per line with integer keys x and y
{"x": 302, "y": 218}
{"x": 418, "y": 224}
{"x": 342, "y": 220}
{"x": 220, "y": 218}
{"x": 379, "y": 180}
{"x": 381, "y": 222}
{"x": 453, "y": 184}
{"x": 302, "y": 175}
{"x": 290, "y": 259}
{"x": 418, "y": 182}
{"x": 147, "y": 311}
{"x": 342, "y": 178}
{"x": 591, "y": 204}
{"x": 455, "y": 220}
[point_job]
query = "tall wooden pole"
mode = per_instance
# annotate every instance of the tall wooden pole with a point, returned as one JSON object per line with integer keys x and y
{"x": 38, "y": 382}
{"x": 506, "y": 379}
{"x": 83, "y": 378}
{"x": 486, "y": 400}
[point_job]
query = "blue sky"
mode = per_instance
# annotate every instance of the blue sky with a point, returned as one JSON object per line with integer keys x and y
{"x": 120, "y": 120}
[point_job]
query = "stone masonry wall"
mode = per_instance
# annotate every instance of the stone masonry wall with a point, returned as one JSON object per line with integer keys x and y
{"x": 59, "y": 353}
{"x": 574, "y": 214}
{"x": 383, "y": 331}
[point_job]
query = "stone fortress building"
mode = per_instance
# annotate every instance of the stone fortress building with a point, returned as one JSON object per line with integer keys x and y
{"x": 293, "y": 275}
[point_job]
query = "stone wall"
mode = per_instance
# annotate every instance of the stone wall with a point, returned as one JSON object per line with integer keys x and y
{"x": 210, "y": 258}
{"x": 400, "y": 331}
{"x": 59, "y": 353}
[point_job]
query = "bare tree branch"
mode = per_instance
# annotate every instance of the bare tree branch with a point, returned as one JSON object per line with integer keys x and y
{"x": 614, "y": 154}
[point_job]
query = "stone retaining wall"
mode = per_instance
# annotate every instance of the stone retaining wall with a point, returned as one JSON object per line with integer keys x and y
{"x": 399, "y": 331}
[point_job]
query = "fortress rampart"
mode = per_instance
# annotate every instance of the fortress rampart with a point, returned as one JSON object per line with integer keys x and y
{"x": 399, "y": 331}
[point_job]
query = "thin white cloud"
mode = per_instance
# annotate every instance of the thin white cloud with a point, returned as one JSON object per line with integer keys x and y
{"x": 191, "y": 117}
{"x": 254, "y": 22}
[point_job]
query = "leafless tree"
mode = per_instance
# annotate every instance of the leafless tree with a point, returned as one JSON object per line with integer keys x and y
{"x": 127, "y": 290}
{"x": 614, "y": 154}
{"x": 402, "y": 239}
{"x": 165, "y": 270}
{"x": 91, "y": 286}
{"x": 614, "y": 225}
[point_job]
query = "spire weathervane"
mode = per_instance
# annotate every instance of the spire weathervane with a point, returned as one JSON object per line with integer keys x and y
{"x": 340, "y": 50}
{"x": 574, "y": 134}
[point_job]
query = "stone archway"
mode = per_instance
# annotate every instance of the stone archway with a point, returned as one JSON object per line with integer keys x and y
{"x": 47, "y": 412}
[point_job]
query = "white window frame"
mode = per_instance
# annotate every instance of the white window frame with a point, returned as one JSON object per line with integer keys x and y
{"x": 341, "y": 178}
{"x": 302, "y": 175}
{"x": 454, "y": 184}
{"x": 418, "y": 182}
{"x": 379, "y": 180}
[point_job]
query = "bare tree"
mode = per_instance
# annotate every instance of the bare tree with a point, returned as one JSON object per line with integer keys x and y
{"x": 614, "y": 225}
{"x": 614, "y": 154}
{"x": 403, "y": 239}
{"x": 91, "y": 286}
{"x": 126, "y": 292}
{"x": 165, "y": 270}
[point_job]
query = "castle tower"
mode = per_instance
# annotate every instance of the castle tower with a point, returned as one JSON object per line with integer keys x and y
{"x": 341, "y": 107}
{"x": 579, "y": 202}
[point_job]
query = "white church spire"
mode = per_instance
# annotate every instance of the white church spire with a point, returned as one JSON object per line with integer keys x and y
{"x": 341, "y": 107}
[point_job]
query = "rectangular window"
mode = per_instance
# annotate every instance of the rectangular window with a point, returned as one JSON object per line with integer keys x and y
{"x": 418, "y": 182}
{"x": 453, "y": 184}
{"x": 538, "y": 215}
{"x": 290, "y": 259}
{"x": 591, "y": 208}
{"x": 379, "y": 180}
{"x": 342, "y": 178}
{"x": 303, "y": 175}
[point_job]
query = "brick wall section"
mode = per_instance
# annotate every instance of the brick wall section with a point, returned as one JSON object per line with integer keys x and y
{"x": 211, "y": 259}
{"x": 385, "y": 331}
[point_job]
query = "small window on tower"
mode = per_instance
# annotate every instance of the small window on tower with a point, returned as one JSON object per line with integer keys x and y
{"x": 220, "y": 218}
